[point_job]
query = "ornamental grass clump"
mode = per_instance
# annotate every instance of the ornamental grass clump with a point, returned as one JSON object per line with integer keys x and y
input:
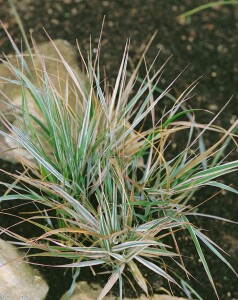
{"x": 113, "y": 193}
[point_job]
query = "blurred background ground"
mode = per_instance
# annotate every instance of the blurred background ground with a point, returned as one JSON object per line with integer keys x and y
{"x": 208, "y": 44}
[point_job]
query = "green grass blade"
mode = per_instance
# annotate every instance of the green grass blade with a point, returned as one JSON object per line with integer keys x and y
{"x": 200, "y": 252}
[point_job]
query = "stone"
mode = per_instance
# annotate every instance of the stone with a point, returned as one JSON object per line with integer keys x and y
{"x": 85, "y": 291}
{"x": 18, "y": 280}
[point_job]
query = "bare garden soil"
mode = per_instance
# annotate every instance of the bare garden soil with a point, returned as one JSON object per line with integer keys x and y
{"x": 208, "y": 44}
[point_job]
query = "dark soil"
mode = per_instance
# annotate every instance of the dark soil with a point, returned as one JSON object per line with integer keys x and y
{"x": 208, "y": 44}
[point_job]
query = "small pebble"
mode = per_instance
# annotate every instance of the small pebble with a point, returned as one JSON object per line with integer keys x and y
{"x": 233, "y": 119}
{"x": 74, "y": 11}
{"x": 54, "y": 21}
{"x": 183, "y": 38}
{"x": 212, "y": 107}
{"x": 214, "y": 74}
{"x": 106, "y": 3}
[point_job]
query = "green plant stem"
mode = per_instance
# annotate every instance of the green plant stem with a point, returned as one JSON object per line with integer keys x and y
{"x": 206, "y": 6}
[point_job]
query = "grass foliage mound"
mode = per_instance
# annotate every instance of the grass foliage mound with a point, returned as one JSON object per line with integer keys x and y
{"x": 114, "y": 191}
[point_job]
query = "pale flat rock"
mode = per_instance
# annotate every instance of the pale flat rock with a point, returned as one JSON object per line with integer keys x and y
{"x": 84, "y": 291}
{"x": 18, "y": 280}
